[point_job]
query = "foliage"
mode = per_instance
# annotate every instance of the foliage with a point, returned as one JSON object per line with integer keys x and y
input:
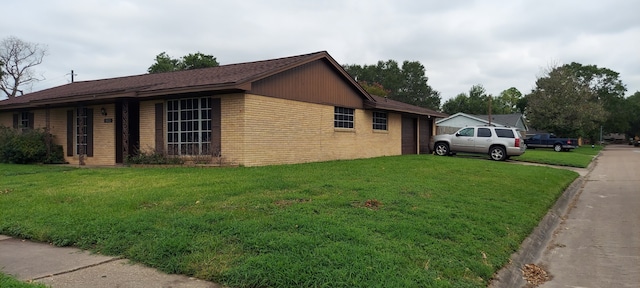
{"x": 7, "y": 281}
{"x": 512, "y": 102}
{"x": 406, "y": 84}
{"x": 564, "y": 104}
{"x": 374, "y": 88}
{"x": 28, "y": 146}
{"x": 382, "y": 222}
{"x": 580, "y": 157}
{"x": 164, "y": 63}
{"x": 478, "y": 102}
{"x": 18, "y": 59}
{"x": 153, "y": 158}
{"x": 609, "y": 91}
{"x": 632, "y": 107}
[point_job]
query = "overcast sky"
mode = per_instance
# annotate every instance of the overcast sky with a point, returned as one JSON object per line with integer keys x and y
{"x": 498, "y": 44}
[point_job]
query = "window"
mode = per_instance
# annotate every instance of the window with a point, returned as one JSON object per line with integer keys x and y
{"x": 189, "y": 126}
{"x": 484, "y": 132}
{"x": 379, "y": 121}
{"x": 81, "y": 131}
{"x": 466, "y": 132}
{"x": 505, "y": 133}
{"x": 343, "y": 117}
{"x": 24, "y": 120}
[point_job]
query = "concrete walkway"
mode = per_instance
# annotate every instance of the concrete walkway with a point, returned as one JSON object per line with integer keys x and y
{"x": 591, "y": 236}
{"x": 71, "y": 268}
{"x": 598, "y": 243}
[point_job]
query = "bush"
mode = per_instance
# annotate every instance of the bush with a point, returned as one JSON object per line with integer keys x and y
{"x": 28, "y": 146}
{"x": 153, "y": 158}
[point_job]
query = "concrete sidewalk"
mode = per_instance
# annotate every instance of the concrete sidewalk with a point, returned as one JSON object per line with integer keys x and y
{"x": 70, "y": 268}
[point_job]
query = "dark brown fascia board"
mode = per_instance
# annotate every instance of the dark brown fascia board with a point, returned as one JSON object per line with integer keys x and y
{"x": 372, "y": 105}
{"x": 81, "y": 98}
{"x": 191, "y": 89}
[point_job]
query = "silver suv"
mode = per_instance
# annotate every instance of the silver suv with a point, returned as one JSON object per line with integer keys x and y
{"x": 499, "y": 143}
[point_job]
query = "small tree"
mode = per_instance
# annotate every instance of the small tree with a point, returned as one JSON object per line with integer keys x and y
{"x": 18, "y": 59}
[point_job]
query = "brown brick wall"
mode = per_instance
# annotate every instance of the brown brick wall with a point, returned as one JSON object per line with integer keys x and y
{"x": 259, "y": 130}
{"x": 148, "y": 126}
{"x": 6, "y": 119}
{"x": 282, "y": 131}
{"x": 256, "y": 130}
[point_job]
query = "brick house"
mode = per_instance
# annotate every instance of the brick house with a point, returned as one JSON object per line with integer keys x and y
{"x": 296, "y": 109}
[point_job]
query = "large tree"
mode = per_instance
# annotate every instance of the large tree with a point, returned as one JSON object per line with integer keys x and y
{"x": 564, "y": 104}
{"x": 406, "y": 84}
{"x": 608, "y": 90}
{"x": 164, "y": 63}
{"x": 18, "y": 58}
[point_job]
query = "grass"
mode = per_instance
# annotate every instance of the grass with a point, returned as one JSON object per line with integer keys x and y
{"x": 580, "y": 157}
{"x": 406, "y": 221}
{"x": 7, "y": 281}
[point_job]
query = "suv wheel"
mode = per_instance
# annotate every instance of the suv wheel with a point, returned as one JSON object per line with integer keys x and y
{"x": 497, "y": 153}
{"x": 441, "y": 149}
{"x": 557, "y": 147}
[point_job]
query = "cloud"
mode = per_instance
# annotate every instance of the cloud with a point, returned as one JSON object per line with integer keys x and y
{"x": 498, "y": 44}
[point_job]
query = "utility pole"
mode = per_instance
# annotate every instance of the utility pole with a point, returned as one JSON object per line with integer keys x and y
{"x": 490, "y": 110}
{"x": 72, "y": 76}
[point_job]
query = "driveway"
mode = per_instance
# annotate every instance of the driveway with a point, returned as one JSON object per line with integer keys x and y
{"x": 597, "y": 244}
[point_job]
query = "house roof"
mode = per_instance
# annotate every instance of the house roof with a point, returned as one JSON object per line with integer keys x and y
{"x": 225, "y": 78}
{"x": 511, "y": 120}
{"x": 387, "y": 104}
{"x": 504, "y": 119}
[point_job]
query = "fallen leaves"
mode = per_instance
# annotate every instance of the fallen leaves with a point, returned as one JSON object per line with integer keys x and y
{"x": 534, "y": 274}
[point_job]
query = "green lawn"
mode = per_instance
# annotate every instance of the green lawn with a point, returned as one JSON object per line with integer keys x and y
{"x": 406, "y": 221}
{"x": 579, "y": 157}
{"x": 7, "y": 281}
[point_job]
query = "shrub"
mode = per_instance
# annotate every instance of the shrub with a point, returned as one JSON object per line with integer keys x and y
{"x": 28, "y": 146}
{"x": 153, "y": 158}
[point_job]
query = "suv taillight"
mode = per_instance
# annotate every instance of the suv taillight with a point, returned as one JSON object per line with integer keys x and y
{"x": 569, "y": 141}
{"x": 517, "y": 144}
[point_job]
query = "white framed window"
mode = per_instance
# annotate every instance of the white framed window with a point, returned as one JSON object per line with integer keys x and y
{"x": 343, "y": 117}
{"x": 189, "y": 126}
{"x": 379, "y": 121}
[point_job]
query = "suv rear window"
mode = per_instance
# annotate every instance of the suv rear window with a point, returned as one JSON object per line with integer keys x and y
{"x": 505, "y": 133}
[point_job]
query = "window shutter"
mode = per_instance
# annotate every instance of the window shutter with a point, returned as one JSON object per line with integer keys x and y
{"x": 159, "y": 125}
{"x": 15, "y": 120}
{"x": 216, "y": 125}
{"x": 31, "y": 118}
{"x": 70, "y": 133}
{"x": 89, "y": 132}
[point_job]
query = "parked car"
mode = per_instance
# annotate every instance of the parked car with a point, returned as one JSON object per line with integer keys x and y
{"x": 499, "y": 143}
{"x": 548, "y": 140}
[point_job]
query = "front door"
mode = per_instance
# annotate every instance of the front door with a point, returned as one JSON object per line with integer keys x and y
{"x": 127, "y": 120}
{"x": 409, "y": 136}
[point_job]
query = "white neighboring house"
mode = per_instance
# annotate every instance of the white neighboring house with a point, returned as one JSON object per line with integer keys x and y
{"x": 456, "y": 121}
